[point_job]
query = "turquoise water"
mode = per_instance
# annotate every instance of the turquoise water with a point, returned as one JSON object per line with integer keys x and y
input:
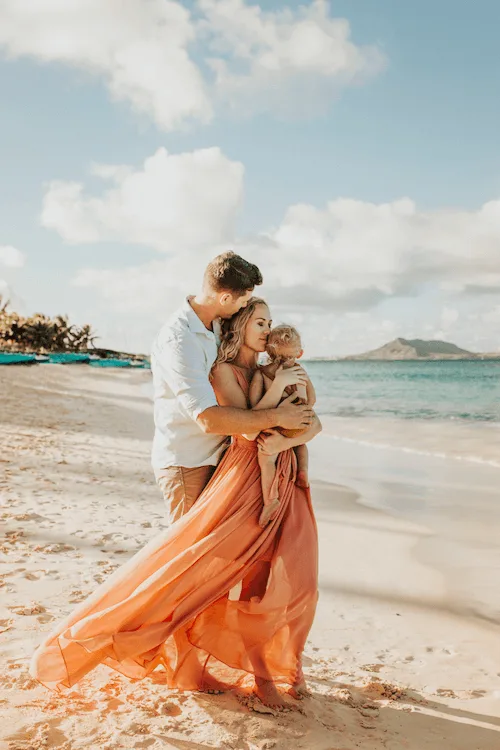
{"x": 442, "y": 390}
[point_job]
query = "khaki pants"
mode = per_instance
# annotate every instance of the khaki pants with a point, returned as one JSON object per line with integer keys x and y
{"x": 181, "y": 487}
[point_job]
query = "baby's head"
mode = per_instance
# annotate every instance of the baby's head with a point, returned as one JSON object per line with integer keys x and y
{"x": 284, "y": 345}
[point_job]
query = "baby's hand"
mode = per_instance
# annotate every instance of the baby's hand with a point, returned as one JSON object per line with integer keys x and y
{"x": 294, "y": 375}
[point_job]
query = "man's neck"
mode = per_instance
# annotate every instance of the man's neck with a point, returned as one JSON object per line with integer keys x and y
{"x": 205, "y": 309}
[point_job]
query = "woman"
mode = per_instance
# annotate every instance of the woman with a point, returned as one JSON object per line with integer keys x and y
{"x": 217, "y": 600}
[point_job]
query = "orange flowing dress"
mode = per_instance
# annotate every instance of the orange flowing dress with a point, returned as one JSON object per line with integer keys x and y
{"x": 180, "y": 601}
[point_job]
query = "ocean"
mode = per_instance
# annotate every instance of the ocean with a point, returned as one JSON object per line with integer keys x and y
{"x": 421, "y": 441}
{"x": 447, "y": 409}
{"x": 443, "y": 390}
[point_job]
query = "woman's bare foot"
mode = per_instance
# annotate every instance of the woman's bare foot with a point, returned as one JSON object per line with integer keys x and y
{"x": 302, "y": 479}
{"x": 212, "y": 686}
{"x": 300, "y": 691}
{"x": 269, "y": 512}
{"x": 268, "y": 694}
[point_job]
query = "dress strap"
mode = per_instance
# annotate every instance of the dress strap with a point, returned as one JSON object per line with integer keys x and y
{"x": 242, "y": 381}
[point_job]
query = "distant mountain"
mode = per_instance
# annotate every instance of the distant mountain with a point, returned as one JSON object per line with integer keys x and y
{"x": 420, "y": 349}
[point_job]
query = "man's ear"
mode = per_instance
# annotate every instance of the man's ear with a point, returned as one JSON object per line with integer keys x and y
{"x": 225, "y": 298}
{"x": 299, "y": 355}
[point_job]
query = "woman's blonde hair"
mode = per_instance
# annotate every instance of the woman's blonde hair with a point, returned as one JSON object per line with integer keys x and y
{"x": 233, "y": 331}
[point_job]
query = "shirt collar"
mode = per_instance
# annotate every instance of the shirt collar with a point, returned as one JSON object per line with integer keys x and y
{"x": 196, "y": 325}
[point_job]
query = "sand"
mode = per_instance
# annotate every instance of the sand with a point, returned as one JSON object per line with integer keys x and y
{"x": 394, "y": 659}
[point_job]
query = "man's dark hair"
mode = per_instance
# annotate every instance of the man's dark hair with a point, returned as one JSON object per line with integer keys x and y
{"x": 232, "y": 273}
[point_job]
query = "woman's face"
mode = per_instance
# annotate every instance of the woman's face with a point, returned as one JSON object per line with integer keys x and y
{"x": 258, "y": 328}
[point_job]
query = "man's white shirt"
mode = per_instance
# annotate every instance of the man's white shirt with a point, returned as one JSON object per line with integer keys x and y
{"x": 181, "y": 358}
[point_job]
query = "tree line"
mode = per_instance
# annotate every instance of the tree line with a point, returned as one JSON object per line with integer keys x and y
{"x": 40, "y": 333}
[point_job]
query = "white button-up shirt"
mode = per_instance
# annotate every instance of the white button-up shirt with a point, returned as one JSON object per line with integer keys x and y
{"x": 181, "y": 358}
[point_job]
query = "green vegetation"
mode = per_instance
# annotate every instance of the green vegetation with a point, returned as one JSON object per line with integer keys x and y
{"x": 41, "y": 334}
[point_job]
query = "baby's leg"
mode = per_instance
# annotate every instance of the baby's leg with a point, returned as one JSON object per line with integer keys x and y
{"x": 302, "y": 465}
{"x": 271, "y": 504}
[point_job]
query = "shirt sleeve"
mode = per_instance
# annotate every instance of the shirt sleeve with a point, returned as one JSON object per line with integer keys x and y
{"x": 182, "y": 364}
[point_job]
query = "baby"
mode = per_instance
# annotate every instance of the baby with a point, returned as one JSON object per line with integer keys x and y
{"x": 282, "y": 377}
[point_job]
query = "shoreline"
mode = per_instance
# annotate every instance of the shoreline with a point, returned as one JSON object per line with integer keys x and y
{"x": 389, "y": 664}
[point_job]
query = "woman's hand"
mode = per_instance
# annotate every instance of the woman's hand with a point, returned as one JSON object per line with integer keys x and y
{"x": 294, "y": 375}
{"x": 271, "y": 442}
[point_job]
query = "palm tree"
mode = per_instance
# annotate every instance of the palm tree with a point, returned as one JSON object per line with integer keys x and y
{"x": 40, "y": 333}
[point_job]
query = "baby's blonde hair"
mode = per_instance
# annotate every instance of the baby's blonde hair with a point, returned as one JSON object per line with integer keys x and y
{"x": 282, "y": 336}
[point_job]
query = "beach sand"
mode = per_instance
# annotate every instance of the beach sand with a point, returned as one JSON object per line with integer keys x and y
{"x": 398, "y": 656}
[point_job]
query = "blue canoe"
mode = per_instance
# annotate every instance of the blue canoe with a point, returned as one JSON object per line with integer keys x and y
{"x": 16, "y": 358}
{"x": 110, "y": 362}
{"x": 68, "y": 358}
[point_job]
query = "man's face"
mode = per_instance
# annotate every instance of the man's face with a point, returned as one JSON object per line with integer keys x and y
{"x": 231, "y": 304}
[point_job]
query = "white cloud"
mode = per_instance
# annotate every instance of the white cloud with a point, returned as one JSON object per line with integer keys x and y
{"x": 357, "y": 253}
{"x": 173, "y": 203}
{"x": 12, "y": 257}
{"x": 259, "y": 60}
{"x": 287, "y": 60}
{"x": 350, "y": 255}
{"x": 139, "y": 48}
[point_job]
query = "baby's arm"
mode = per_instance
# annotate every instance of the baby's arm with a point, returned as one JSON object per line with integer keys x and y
{"x": 307, "y": 392}
{"x": 260, "y": 398}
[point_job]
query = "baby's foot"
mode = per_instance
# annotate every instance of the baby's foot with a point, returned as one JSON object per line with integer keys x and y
{"x": 302, "y": 479}
{"x": 269, "y": 512}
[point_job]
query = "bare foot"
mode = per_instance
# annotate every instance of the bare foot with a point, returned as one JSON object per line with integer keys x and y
{"x": 302, "y": 479}
{"x": 300, "y": 691}
{"x": 269, "y": 695}
{"x": 269, "y": 512}
{"x": 212, "y": 686}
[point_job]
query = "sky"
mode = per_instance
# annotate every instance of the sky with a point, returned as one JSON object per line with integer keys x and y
{"x": 350, "y": 149}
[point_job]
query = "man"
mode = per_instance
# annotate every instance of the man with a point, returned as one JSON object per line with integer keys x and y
{"x": 191, "y": 430}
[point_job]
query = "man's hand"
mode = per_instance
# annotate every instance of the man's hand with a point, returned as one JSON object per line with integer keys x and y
{"x": 271, "y": 442}
{"x": 293, "y": 416}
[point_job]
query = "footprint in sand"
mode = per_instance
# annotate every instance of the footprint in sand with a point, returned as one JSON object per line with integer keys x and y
{"x": 39, "y": 736}
{"x": 31, "y": 576}
{"x": 27, "y": 610}
{"x": 45, "y": 618}
{"x": 76, "y": 596}
{"x": 29, "y": 517}
{"x": 53, "y": 549}
{"x": 445, "y": 693}
{"x": 13, "y": 572}
{"x": 6, "y": 625}
{"x": 373, "y": 667}
{"x": 378, "y": 690}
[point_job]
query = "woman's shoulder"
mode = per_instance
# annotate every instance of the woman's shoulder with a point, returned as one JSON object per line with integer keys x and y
{"x": 224, "y": 371}
{"x": 223, "y": 367}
